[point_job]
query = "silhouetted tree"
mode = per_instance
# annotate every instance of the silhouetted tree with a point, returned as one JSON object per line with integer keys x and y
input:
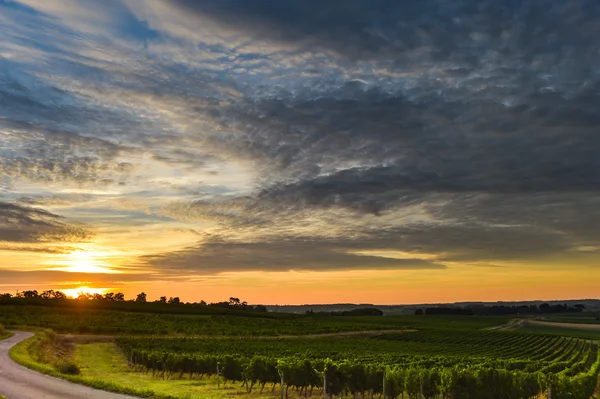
{"x": 30, "y": 294}
{"x": 163, "y": 299}
{"x": 59, "y": 295}
{"x": 109, "y": 296}
{"x": 48, "y": 294}
{"x": 141, "y": 297}
{"x": 545, "y": 308}
{"x": 84, "y": 296}
{"x": 119, "y": 297}
{"x": 174, "y": 301}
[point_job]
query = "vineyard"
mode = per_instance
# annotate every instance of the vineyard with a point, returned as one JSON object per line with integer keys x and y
{"x": 422, "y": 364}
{"x": 87, "y": 320}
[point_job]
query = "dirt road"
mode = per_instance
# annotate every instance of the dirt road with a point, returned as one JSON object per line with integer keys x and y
{"x": 17, "y": 382}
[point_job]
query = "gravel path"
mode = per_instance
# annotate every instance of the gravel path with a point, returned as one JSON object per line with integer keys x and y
{"x": 18, "y": 382}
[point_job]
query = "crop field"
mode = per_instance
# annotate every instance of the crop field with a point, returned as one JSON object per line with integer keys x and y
{"x": 455, "y": 364}
{"x": 223, "y": 356}
{"x": 101, "y": 321}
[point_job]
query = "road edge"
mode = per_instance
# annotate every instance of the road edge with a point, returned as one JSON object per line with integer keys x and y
{"x": 18, "y": 354}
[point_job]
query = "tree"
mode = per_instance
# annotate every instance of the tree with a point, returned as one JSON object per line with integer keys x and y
{"x": 141, "y": 297}
{"x": 84, "y": 296}
{"x": 109, "y": 296}
{"x": 98, "y": 297}
{"x": 545, "y": 308}
{"x": 234, "y": 301}
{"x": 163, "y": 299}
{"x": 202, "y": 303}
{"x": 30, "y": 294}
{"x": 119, "y": 297}
{"x": 48, "y": 294}
{"x": 59, "y": 295}
{"x": 174, "y": 301}
{"x": 5, "y": 296}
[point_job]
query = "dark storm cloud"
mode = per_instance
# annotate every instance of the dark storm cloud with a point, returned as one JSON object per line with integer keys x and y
{"x": 464, "y": 129}
{"x": 216, "y": 257}
{"x": 31, "y": 225}
{"x": 364, "y": 29}
{"x": 401, "y": 147}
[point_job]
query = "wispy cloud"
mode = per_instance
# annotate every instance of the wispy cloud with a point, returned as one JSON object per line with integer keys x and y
{"x": 296, "y": 135}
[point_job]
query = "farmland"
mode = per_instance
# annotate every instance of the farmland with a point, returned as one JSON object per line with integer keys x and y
{"x": 211, "y": 355}
{"x": 432, "y": 363}
{"x": 87, "y": 320}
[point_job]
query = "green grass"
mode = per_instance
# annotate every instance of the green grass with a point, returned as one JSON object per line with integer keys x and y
{"x": 105, "y": 361}
{"x": 4, "y": 334}
{"x": 99, "y": 321}
{"x": 20, "y": 354}
{"x": 103, "y": 367}
{"x": 583, "y": 318}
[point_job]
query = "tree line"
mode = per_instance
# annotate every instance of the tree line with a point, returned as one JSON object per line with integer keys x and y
{"x": 500, "y": 310}
{"x": 353, "y": 312}
{"x": 34, "y": 296}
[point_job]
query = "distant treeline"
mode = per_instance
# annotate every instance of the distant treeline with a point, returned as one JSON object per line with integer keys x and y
{"x": 117, "y": 301}
{"x": 353, "y": 312}
{"x": 497, "y": 310}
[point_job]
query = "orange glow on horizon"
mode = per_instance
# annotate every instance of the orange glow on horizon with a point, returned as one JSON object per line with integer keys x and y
{"x": 75, "y": 292}
{"x": 85, "y": 262}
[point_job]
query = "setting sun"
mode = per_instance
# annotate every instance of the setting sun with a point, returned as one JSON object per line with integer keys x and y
{"x": 85, "y": 262}
{"x": 75, "y": 292}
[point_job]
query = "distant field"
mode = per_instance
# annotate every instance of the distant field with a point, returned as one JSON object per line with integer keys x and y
{"x": 587, "y": 331}
{"x": 583, "y": 318}
{"x": 100, "y": 321}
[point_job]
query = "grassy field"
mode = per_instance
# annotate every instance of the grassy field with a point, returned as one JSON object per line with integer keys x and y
{"x": 559, "y": 330}
{"x": 104, "y": 361}
{"x": 101, "y": 321}
{"x": 177, "y": 356}
{"x": 582, "y": 318}
{"x": 4, "y": 334}
{"x": 103, "y": 364}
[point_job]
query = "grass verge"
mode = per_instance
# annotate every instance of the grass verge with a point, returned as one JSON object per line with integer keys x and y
{"x": 105, "y": 361}
{"x": 20, "y": 354}
{"x": 4, "y": 334}
{"x": 102, "y": 366}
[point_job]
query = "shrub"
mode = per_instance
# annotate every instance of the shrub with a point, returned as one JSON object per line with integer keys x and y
{"x": 67, "y": 367}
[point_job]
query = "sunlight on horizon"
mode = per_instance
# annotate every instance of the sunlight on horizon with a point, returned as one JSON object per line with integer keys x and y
{"x": 85, "y": 262}
{"x": 75, "y": 292}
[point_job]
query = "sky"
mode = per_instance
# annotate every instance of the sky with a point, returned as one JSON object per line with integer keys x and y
{"x": 301, "y": 151}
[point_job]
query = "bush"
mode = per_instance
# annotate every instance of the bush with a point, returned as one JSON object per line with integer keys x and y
{"x": 53, "y": 350}
{"x": 67, "y": 367}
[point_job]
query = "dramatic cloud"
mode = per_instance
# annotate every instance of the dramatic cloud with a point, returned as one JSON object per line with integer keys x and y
{"x": 210, "y": 136}
{"x": 31, "y": 225}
